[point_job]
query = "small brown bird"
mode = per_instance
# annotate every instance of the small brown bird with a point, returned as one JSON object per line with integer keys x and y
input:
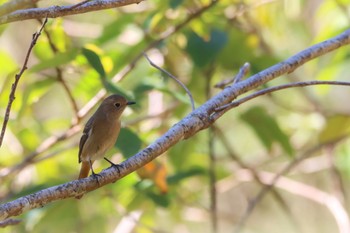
{"x": 100, "y": 133}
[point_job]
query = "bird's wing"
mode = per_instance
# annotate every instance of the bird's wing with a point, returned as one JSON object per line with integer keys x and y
{"x": 85, "y": 136}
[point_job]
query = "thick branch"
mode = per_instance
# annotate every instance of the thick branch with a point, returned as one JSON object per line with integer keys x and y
{"x": 58, "y": 11}
{"x": 197, "y": 120}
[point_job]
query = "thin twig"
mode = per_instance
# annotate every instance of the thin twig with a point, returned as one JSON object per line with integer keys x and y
{"x": 278, "y": 88}
{"x": 243, "y": 71}
{"x": 17, "y": 78}
{"x": 173, "y": 77}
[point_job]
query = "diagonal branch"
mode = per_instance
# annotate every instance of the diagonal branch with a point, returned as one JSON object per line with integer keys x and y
{"x": 58, "y": 11}
{"x": 17, "y": 78}
{"x": 197, "y": 120}
{"x": 278, "y": 88}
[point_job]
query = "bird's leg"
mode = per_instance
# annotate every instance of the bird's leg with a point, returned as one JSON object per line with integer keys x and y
{"x": 113, "y": 165}
{"x": 95, "y": 175}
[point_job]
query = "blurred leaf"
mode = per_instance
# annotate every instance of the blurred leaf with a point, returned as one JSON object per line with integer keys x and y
{"x": 58, "y": 60}
{"x": 267, "y": 129}
{"x": 159, "y": 199}
{"x": 114, "y": 29}
{"x": 128, "y": 142}
{"x": 236, "y": 51}
{"x": 175, "y": 3}
{"x": 113, "y": 88}
{"x": 95, "y": 61}
{"x": 7, "y": 63}
{"x": 203, "y": 51}
{"x": 155, "y": 171}
{"x": 182, "y": 175}
{"x": 33, "y": 92}
{"x": 335, "y": 128}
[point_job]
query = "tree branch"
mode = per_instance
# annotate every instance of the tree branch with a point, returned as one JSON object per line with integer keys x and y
{"x": 17, "y": 78}
{"x": 174, "y": 78}
{"x": 197, "y": 120}
{"x": 58, "y": 11}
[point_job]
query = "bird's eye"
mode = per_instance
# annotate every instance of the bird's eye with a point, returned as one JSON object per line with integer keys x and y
{"x": 117, "y": 105}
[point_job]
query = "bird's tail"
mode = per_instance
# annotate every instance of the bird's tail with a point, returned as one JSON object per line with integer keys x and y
{"x": 84, "y": 172}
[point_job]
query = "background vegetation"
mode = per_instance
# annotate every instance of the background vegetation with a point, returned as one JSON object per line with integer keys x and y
{"x": 202, "y": 43}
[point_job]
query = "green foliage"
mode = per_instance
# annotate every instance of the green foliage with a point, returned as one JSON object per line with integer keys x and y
{"x": 103, "y": 51}
{"x": 128, "y": 143}
{"x": 267, "y": 129}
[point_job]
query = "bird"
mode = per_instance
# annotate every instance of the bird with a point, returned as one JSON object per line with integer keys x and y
{"x": 100, "y": 133}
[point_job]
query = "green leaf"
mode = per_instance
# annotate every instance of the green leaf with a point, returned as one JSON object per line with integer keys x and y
{"x": 336, "y": 127}
{"x": 95, "y": 61}
{"x": 114, "y": 29}
{"x": 128, "y": 142}
{"x": 57, "y": 60}
{"x": 175, "y": 3}
{"x": 179, "y": 176}
{"x": 267, "y": 129}
{"x": 205, "y": 51}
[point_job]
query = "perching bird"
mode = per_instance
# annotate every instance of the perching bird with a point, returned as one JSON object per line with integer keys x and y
{"x": 101, "y": 132}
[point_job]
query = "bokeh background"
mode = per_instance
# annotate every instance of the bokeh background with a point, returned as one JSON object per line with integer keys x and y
{"x": 80, "y": 58}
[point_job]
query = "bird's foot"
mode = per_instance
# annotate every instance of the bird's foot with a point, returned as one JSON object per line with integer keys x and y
{"x": 96, "y": 176}
{"x": 116, "y": 166}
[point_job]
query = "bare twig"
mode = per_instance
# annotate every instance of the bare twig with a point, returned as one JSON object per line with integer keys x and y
{"x": 173, "y": 77}
{"x": 201, "y": 118}
{"x": 278, "y": 88}
{"x": 17, "y": 78}
{"x": 243, "y": 71}
{"x": 59, "y": 11}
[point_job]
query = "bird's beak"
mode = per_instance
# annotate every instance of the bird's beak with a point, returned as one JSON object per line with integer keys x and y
{"x": 130, "y": 103}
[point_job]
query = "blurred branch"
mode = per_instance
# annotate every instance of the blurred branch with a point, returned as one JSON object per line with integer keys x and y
{"x": 208, "y": 73}
{"x": 17, "y": 78}
{"x": 267, "y": 188}
{"x": 62, "y": 81}
{"x": 59, "y": 11}
{"x": 330, "y": 202}
{"x": 174, "y": 78}
{"x": 46, "y": 144}
{"x": 199, "y": 119}
{"x": 9, "y": 222}
{"x": 13, "y": 5}
{"x": 252, "y": 170}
